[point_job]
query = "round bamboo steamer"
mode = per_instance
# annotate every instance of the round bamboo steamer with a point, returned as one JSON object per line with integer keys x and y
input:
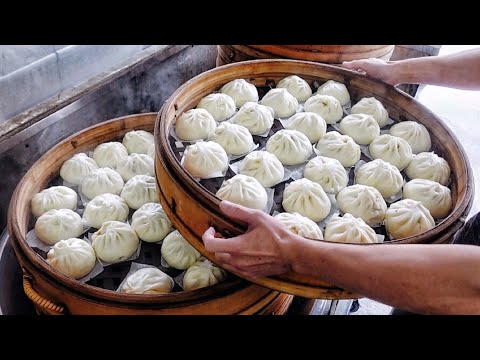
{"x": 193, "y": 209}
{"x": 53, "y": 293}
{"x": 333, "y": 54}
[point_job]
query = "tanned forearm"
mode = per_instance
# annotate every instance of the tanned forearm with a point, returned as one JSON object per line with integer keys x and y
{"x": 460, "y": 70}
{"x": 419, "y": 278}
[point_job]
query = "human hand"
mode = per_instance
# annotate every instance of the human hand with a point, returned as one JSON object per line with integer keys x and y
{"x": 377, "y": 68}
{"x": 261, "y": 251}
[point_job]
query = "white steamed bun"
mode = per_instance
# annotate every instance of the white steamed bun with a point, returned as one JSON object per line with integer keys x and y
{"x": 58, "y": 224}
{"x": 177, "y": 252}
{"x": 54, "y": 197}
{"x": 407, "y": 218}
{"x": 105, "y": 207}
{"x": 306, "y": 198}
{"x": 244, "y": 190}
{"x": 115, "y": 241}
{"x": 72, "y": 257}
{"x": 204, "y": 159}
{"x": 77, "y": 168}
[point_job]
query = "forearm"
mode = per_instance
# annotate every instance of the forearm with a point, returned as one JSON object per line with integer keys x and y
{"x": 419, "y": 278}
{"x": 460, "y": 70}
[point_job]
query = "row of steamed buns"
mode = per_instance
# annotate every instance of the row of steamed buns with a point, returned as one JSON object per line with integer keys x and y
{"x": 381, "y": 178}
{"x": 99, "y": 178}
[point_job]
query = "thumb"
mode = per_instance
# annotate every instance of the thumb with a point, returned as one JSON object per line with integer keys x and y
{"x": 238, "y": 212}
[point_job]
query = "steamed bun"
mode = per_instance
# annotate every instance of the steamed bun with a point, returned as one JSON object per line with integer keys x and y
{"x": 139, "y": 190}
{"x": 308, "y": 123}
{"x": 381, "y": 175}
{"x": 108, "y": 154}
{"x": 257, "y": 118}
{"x": 291, "y": 147}
{"x": 137, "y": 141}
{"x": 430, "y": 166}
{"x": 349, "y": 229}
{"x": 281, "y": 101}
{"x": 234, "y": 139}
{"x": 434, "y": 196}
{"x": 151, "y": 223}
{"x": 300, "y": 225}
{"x": 201, "y": 274}
{"x": 296, "y": 86}
{"x": 306, "y": 198}
{"x": 115, "y": 241}
{"x": 371, "y": 106}
{"x": 328, "y": 172}
{"x": 340, "y": 147}
{"x": 195, "y": 124}
{"x": 220, "y": 106}
{"x": 105, "y": 207}
{"x": 414, "y": 133}
{"x": 337, "y": 90}
{"x": 203, "y": 159}
{"x": 55, "y": 197}
{"x": 240, "y": 91}
{"x": 101, "y": 181}
{"x": 244, "y": 190}
{"x": 407, "y": 218}
{"x": 363, "y": 202}
{"x": 177, "y": 252}
{"x": 148, "y": 280}
{"x": 135, "y": 164}
{"x": 77, "y": 168}
{"x": 392, "y": 149}
{"x": 58, "y": 224}
{"x": 326, "y": 106}
{"x": 361, "y": 128}
{"x": 72, "y": 257}
{"x": 263, "y": 166}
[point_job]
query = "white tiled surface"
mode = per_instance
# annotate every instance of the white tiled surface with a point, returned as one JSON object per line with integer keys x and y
{"x": 460, "y": 109}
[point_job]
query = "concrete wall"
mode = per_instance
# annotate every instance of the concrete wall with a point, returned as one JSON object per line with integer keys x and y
{"x": 30, "y": 74}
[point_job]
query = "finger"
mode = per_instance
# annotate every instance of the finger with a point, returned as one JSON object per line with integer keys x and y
{"x": 216, "y": 244}
{"x": 223, "y": 258}
{"x": 210, "y": 232}
{"x": 354, "y": 64}
{"x": 239, "y": 212}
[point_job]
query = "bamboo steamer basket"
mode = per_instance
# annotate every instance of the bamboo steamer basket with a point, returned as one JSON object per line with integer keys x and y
{"x": 53, "y": 293}
{"x": 193, "y": 209}
{"x": 333, "y": 54}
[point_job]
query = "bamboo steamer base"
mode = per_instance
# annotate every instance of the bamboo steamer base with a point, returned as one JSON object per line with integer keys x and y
{"x": 332, "y": 54}
{"x": 51, "y": 298}
{"x": 53, "y": 293}
{"x": 193, "y": 209}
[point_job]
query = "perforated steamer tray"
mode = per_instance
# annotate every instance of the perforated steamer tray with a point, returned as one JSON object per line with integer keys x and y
{"x": 213, "y": 184}
{"x": 193, "y": 206}
{"x": 55, "y": 293}
{"x": 112, "y": 275}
